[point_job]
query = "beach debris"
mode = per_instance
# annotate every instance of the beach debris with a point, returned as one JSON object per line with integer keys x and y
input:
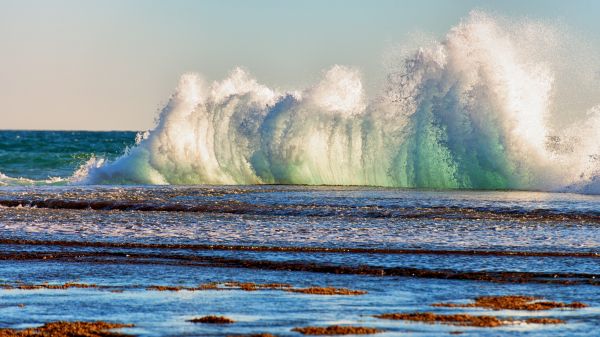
{"x": 337, "y": 330}
{"x": 212, "y": 319}
{"x": 69, "y": 329}
{"x": 513, "y": 302}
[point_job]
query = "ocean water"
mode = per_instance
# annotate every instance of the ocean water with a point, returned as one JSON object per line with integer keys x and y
{"x": 461, "y": 178}
{"x": 408, "y": 249}
{"x": 45, "y": 157}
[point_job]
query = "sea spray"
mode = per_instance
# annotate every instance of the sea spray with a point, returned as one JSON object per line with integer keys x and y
{"x": 471, "y": 111}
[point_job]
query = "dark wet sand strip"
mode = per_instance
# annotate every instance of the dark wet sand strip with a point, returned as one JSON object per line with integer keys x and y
{"x": 229, "y": 285}
{"x": 251, "y": 286}
{"x": 291, "y": 249}
{"x": 304, "y": 210}
{"x": 300, "y": 266}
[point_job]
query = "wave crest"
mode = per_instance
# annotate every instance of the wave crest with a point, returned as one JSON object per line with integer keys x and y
{"x": 471, "y": 111}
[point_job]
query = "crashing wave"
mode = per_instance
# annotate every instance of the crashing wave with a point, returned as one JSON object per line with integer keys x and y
{"x": 471, "y": 112}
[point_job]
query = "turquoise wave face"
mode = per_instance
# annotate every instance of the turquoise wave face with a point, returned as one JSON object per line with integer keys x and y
{"x": 39, "y": 155}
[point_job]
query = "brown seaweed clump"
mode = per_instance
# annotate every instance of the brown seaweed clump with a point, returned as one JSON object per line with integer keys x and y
{"x": 246, "y": 286}
{"x": 212, "y": 320}
{"x": 209, "y": 286}
{"x": 337, "y": 330}
{"x": 168, "y": 288}
{"x": 251, "y": 286}
{"x": 456, "y": 319}
{"x": 23, "y": 286}
{"x": 230, "y": 285}
{"x": 464, "y": 319}
{"x": 205, "y": 286}
{"x": 544, "y": 320}
{"x": 513, "y": 302}
{"x": 326, "y": 291}
{"x": 233, "y": 285}
{"x": 69, "y": 329}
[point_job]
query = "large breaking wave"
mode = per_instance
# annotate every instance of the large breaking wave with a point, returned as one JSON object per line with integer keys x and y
{"x": 473, "y": 111}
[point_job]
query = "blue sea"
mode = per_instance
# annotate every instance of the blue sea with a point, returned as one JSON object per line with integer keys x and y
{"x": 407, "y": 248}
{"x": 471, "y": 173}
{"x": 39, "y": 156}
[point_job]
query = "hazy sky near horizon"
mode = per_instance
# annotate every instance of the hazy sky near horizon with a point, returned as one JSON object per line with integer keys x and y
{"x": 112, "y": 64}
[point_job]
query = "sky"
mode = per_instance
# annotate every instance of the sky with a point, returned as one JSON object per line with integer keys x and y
{"x": 112, "y": 64}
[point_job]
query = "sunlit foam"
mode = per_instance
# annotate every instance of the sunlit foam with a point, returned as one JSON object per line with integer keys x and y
{"x": 470, "y": 111}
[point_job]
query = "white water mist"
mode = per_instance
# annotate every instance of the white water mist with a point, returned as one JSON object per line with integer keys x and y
{"x": 473, "y": 111}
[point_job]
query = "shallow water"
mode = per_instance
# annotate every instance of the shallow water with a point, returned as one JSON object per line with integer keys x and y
{"x": 408, "y": 249}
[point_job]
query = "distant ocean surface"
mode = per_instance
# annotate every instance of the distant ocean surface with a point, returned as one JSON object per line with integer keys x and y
{"x": 39, "y": 156}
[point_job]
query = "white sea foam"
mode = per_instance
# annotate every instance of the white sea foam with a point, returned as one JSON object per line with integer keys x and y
{"x": 20, "y": 181}
{"x": 474, "y": 110}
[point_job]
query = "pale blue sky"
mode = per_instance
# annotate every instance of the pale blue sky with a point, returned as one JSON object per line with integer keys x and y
{"x": 111, "y": 64}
